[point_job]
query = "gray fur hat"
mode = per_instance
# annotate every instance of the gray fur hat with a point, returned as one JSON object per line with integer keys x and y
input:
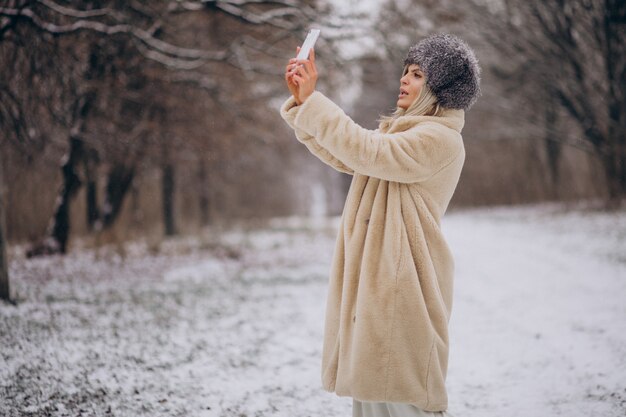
{"x": 451, "y": 69}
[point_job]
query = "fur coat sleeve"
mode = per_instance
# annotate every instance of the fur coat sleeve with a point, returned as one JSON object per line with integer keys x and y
{"x": 408, "y": 156}
{"x": 289, "y": 111}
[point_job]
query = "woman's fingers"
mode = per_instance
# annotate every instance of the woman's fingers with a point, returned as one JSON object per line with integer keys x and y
{"x": 310, "y": 68}
{"x": 297, "y": 75}
{"x": 308, "y": 65}
{"x": 301, "y": 76}
{"x": 307, "y": 68}
{"x": 288, "y": 78}
{"x": 302, "y": 71}
{"x": 305, "y": 64}
{"x": 290, "y": 68}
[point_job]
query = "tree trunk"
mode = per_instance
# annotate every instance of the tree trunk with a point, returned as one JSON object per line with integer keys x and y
{"x": 623, "y": 176}
{"x": 5, "y": 293}
{"x": 615, "y": 156}
{"x": 91, "y": 176}
{"x": 553, "y": 149}
{"x": 203, "y": 194}
{"x": 616, "y": 189}
{"x": 118, "y": 183}
{"x": 168, "y": 199}
{"x": 60, "y": 227}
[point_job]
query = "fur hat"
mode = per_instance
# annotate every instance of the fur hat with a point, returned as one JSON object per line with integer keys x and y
{"x": 451, "y": 69}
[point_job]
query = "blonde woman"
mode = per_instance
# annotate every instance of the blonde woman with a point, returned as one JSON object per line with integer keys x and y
{"x": 391, "y": 280}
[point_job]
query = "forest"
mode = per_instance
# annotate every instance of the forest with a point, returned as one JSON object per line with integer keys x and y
{"x": 160, "y": 117}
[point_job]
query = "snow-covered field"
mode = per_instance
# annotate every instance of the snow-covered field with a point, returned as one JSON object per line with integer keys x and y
{"x": 233, "y": 326}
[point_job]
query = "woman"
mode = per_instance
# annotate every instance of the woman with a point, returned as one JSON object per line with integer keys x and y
{"x": 390, "y": 290}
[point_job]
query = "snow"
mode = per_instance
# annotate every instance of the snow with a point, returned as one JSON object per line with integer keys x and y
{"x": 319, "y": 204}
{"x": 368, "y": 7}
{"x": 230, "y": 323}
{"x": 351, "y": 26}
{"x": 539, "y": 321}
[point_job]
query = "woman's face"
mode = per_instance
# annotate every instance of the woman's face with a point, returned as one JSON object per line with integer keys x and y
{"x": 410, "y": 86}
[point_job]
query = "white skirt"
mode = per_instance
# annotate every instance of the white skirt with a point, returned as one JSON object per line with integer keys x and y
{"x": 385, "y": 409}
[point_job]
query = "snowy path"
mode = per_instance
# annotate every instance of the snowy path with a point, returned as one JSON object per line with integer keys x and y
{"x": 539, "y": 322}
{"x": 538, "y": 325}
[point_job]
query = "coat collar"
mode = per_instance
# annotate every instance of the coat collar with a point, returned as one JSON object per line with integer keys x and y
{"x": 452, "y": 118}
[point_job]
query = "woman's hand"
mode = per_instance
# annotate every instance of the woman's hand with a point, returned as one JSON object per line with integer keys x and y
{"x": 301, "y": 77}
{"x": 293, "y": 87}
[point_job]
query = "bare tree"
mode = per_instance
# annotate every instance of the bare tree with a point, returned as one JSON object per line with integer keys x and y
{"x": 140, "y": 30}
{"x": 5, "y": 293}
{"x": 570, "y": 54}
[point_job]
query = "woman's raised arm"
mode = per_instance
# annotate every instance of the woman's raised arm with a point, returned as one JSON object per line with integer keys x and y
{"x": 410, "y": 156}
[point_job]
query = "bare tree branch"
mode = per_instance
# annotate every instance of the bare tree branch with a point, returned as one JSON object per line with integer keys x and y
{"x": 81, "y": 14}
{"x": 139, "y": 34}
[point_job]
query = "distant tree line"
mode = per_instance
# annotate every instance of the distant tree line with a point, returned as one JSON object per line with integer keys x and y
{"x": 564, "y": 59}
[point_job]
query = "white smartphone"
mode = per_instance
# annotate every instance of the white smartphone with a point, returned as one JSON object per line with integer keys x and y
{"x": 309, "y": 42}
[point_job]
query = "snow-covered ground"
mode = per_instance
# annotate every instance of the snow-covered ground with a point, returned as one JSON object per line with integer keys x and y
{"x": 233, "y": 327}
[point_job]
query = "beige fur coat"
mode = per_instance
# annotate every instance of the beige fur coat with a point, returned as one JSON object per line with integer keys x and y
{"x": 390, "y": 291}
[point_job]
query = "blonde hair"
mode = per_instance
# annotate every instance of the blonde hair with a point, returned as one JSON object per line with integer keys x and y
{"x": 425, "y": 104}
